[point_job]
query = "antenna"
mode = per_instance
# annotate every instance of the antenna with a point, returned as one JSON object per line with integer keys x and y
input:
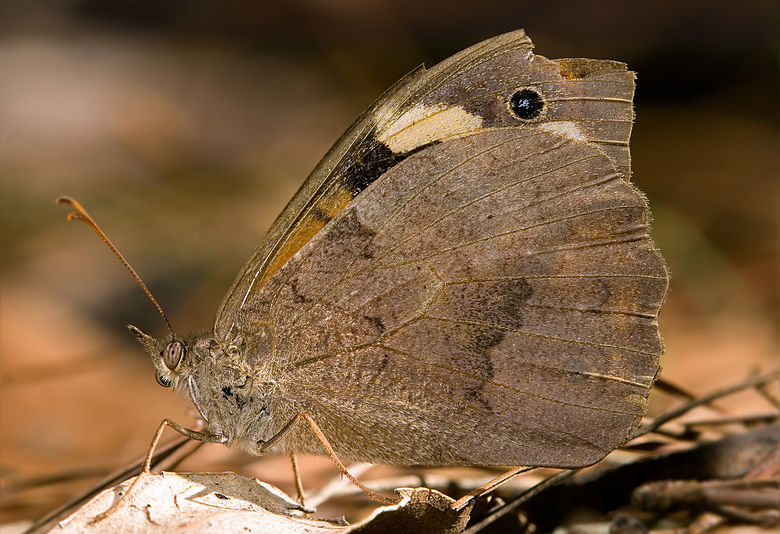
{"x": 82, "y": 215}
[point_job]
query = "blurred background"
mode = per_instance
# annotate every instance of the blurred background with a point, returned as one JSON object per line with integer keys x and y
{"x": 185, "y": 126}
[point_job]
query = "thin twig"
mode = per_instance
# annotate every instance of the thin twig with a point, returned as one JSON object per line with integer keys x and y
{"x": 519, "y": 500}
{"x": 743, "y": 419}
{"x": 764, "y": 392}
{"x": 706, "y": 399}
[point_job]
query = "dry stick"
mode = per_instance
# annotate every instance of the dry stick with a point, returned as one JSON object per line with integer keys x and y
{"x": 683, "y": 435}
{"x": 704, "y": 522}
{"x": 669, "y": 495}
{"x": 650, "y": 427}
{"x": 520, "y": 499}
{"x": 774, "y": 401}
{"x": 755, "y": 478}
{"x": 461, "y": 503}
{"x": 666, "y": 386}
{"x": 743, "y": 419}
{"x": 706, "y": 399}
{"x": 745, "y": 498}
{"x": 760, "y": 517}
{"x": 23, "y": 484}
{"x": 161, "y": 455}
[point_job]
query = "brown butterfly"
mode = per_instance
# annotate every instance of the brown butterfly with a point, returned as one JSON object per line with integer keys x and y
{"x": 466, "y": 278}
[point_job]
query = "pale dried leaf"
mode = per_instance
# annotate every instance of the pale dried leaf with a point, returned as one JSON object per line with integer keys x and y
{"x": 194, "y": 502}
{"x": 226, "y": 502}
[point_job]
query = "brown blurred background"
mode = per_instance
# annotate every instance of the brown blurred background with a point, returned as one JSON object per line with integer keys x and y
{"x": 185, "y": 126}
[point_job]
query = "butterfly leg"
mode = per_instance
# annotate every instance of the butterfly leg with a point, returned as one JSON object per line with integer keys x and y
{"x": 146, "y": 469}
{"x": 297, "y": 477}
{"x": 331, "y": 454}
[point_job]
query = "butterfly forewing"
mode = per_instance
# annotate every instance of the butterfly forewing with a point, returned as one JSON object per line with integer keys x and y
{"x": 465, "y": 93}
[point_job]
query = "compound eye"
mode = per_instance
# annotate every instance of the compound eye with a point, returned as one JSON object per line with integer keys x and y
{"x": 164, "y": 382}
{"x": 173, "y": 353}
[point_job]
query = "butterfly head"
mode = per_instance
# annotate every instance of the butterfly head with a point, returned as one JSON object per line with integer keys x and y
{"x": 170, "y": 358}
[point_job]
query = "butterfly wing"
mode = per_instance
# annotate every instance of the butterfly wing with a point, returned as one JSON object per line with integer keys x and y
{"x": 462, "y": 94}
{"x": 490, "y": 296}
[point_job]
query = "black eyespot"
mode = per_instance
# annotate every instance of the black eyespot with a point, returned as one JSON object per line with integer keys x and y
{"x": 526, "y": 104}
{"x": 173, "y": 353}
{"x": 164, "y": 382}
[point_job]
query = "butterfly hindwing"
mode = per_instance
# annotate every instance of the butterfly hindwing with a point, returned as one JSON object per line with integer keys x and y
{"x": 526, "y": 302}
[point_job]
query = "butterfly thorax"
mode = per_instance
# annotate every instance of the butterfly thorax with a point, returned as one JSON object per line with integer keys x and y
{"x": 230, "y": 395}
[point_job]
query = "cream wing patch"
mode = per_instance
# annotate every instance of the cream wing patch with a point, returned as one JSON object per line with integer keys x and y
{"x": 425, "y": 124}
{"x": 566, "y": 129}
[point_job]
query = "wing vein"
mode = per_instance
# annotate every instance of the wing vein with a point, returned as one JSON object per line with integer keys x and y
{"x": 498, "y": 384}
{"x": 539, "y": 334}
{"x": 570, "y": 246}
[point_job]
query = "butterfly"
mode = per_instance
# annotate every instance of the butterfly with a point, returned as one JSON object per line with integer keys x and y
{"x": 466, "y": 278}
